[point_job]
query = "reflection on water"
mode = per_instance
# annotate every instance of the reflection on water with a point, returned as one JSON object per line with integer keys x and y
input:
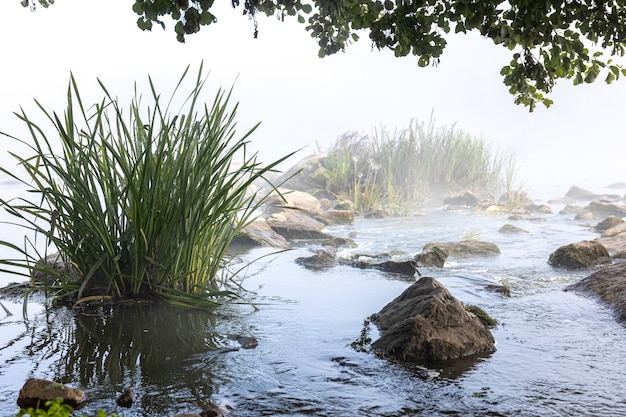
{"x": 558, "y": 353}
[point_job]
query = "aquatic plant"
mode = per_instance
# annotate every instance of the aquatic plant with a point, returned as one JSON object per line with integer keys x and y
{"x": 138, "y": 203}
{"x": 55, "y": 408}
{"x": 408, "y": 165}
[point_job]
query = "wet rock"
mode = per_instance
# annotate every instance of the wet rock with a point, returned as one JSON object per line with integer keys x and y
{"x": 338, "y": 242}
{"x": 503, "y": 290}
{"x": 325, "y": 257}
{"x": 509, "y": 228}
{"x": 127, "y": 398}
{"x": 245, "y": 342}
{"x": 467, "y": 248}
{"x": 293, "y": 199}
{"x": 426, "y": 323}
{"x": 604, "y": 208}
{"x": 296, "y": 225}
{"x": 51, "y": 267}
{"x": 609, "y": 284}
{"x": 571, "y": 209}
{"x": 395, "y": 267}
{"x": 434, "y": 256}
{"x": 38, "y": 391}
{"x": 614, "y": 239}
{"x": 332, "y": 217}
{"x": 259, "y": 233}
{"x": 608, "y": 223}
{"x": 585, "y": 254}
{"x": 344, "y": 205}
{"x": 376, "y": 214}
{"x": 539, "y": 208}
{"x": 464, "y": 198}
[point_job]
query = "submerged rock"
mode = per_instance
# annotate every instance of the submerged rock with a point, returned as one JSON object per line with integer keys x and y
{"x": 426, "y": 323}
{"x": 36, "y": 392}
{"x": 321, "y": 258}
{"x": 127, "y": 398}
{"x": 609, "y": 283}
{"x": 467, "y": 248}
{"x": 509, "y": 228}
{"x": 585, "y": 254}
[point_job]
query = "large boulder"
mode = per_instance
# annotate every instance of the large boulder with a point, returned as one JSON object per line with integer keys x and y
{"x": 292, "y": 199}
{"x": 603, "y": 208}
{"x": 295, "y": 225}
{"x": 609, "y": 283}
{"x": 259, "y": 233}
{"x": 36, "y": 392}
{"x": 466, "y": 248}
{"x": 585, "y": 254}
{"x": 426, "y": 323}
{"x": 332, "y": 217}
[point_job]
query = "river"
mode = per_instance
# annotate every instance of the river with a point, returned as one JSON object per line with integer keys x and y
{"x": 558, "y": 353}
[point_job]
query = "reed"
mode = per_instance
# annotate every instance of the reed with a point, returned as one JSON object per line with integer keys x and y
{"x": 409, "y": 165}
{"x": 141, "y": 202}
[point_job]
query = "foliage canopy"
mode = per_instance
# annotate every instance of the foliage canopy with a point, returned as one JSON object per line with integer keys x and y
{"x": 549, "y": 39}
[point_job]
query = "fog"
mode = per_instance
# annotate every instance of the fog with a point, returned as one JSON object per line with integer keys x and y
{"x": 304, "y": 101}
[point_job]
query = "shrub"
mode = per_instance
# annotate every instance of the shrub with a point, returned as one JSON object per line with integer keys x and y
{"x": 138, "y": 203}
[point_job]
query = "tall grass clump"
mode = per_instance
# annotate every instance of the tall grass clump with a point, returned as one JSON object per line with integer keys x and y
{"x": 138, "y": 202}
{"x": 395, "y": 169}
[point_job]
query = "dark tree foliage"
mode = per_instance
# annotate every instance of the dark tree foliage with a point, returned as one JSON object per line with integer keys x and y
{"x": 549, "y": 39}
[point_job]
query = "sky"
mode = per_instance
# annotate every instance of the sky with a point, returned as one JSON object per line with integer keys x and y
{"x": 303, "y": 101}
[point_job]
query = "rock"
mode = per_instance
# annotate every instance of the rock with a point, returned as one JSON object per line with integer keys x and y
{"x": 426, "y": 323}
{"x": 617, "y": 185}
{"x": 293, "y": 199}
{"x": 432, "y": 257}
{"x": 509, "y": 228}
{"x": 127, "y": 398}
{"x": 332, "y": 217}
{"x": 577, "y": 193}
{"x": 338, "y": 242}
{"x": 376, "y": 214}
{"x": 306, "y": 175}
{"x": 49, "y": 268}
{"x": 584, "y": 215}
{"x": 344, "y": 205}
{"x": 38, "y": 391}
{"x": 296, "y": 225}
{"x": 246, "y": 342}
{"x": 538, "y": 208}
{"x": 322, "y": 258}
{"x": 465, "y": 198}
{"x": 604, "y": 208}
{"x": 607, "y": 223}
{"x": 570, "y": 209}
{"x": 407, "y": 267}
{"x": 258, "y": 233}
{"x": 585, "y": 254}
{"x": 614, "y": 239}
{"x": 609, "y": 283}
{"x": 467, "y": 248}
